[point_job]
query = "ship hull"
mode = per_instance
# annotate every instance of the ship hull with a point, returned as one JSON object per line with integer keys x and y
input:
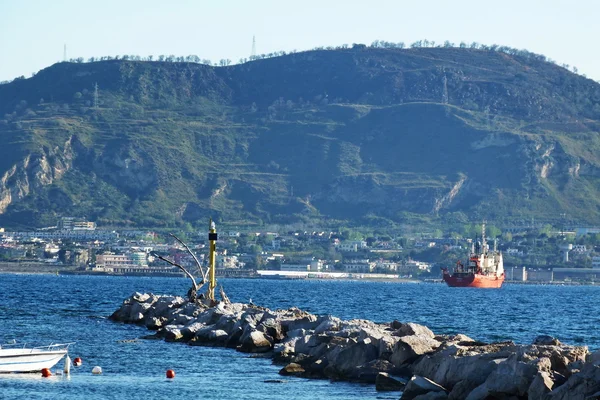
{"x": 474, "y": 280}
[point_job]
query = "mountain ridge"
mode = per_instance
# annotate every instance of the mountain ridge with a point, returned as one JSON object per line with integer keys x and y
{"x": 354, "y": 135}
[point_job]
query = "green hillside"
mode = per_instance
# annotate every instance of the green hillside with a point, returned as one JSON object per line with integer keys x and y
{"x": 360, "y": 135}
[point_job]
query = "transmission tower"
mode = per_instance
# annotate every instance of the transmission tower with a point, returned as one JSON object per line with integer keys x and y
{"x": 445, "y": 89}
{"x": 65, "y": 53}
{"x": 96, "y": 95}
{"x": 253, "y": 54}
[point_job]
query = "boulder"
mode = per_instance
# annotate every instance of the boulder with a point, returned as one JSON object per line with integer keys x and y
{"x": 285, "y": 350}
{"x": 131, "y": 312}
{"x": 453, "y": 364}
{"x": 409, "y": 348}
{"x": 164, "y": 305}
{"x": 412, "y": 329}
{"x": 367, "y": 373}
{"x": 461, "y": 390}
{"x": 328, "y": 324}
{"x": 419, "y": 385}
{"x": 207, "y": 335}
{"x": 271, "y": 327}
{"x": 512, "y": 377}
{"x": 545, "y": 340}
{"x": 307, "y": 322}
{"x": 141, "y": 297}
{"x": 385, "y": 383}
{"x": 350, "y": 358}
{"x": 582, "y": 385}
{"x": 386, "y": 346}
{"x": 481, "y": 392}
{"x": 172, "y": 333}
{"x": 227, "y": 323}
{"x": 291, "y": 369}
{"x": 542, "y": 384}
{"x": 593, "y": 358}
{"x": 255, "y": 342}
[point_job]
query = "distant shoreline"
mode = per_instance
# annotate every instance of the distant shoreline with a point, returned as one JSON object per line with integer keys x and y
{"x": 70, "y": 272}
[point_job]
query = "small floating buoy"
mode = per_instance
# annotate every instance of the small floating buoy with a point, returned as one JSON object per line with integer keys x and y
{"x": 97, "y": 370}
{"x": 67, "y": 369}
{"x": 77, "y": 361}
{"x": 170, "y": 374}
{"x": 46, "y": 372}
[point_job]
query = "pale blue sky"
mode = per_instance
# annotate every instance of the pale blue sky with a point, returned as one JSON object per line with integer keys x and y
{"x": 33, "y": 32}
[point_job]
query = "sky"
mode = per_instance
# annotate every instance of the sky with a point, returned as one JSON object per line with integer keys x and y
{"x": 33, "y": 32}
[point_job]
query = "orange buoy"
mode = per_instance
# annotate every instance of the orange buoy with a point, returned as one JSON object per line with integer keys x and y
{"x": 77, "y": 361}
{"x": 170, "y": 374}
{"x": 46, "y": 372}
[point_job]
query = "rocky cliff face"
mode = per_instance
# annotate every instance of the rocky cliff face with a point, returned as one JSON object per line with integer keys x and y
{"x": 35, "y": 171}
{"x": 349, "y": 134}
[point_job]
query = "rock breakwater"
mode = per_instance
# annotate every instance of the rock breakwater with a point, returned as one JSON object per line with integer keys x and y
{"x": 393, "y": 356}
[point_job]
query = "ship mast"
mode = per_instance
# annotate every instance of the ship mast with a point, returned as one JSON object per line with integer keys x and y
{"x": 483, "y": 242}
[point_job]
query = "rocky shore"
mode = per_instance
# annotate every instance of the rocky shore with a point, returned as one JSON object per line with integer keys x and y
{"x": 396, "y": 356}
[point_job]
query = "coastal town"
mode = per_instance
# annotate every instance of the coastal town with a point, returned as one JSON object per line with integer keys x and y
{"x": 76, "y": 246}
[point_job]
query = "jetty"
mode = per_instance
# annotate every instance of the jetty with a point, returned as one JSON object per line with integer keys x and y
{"x": 395, "y": 356}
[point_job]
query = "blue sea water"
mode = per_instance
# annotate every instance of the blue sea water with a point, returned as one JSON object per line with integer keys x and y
{"x": 40, "y": 309}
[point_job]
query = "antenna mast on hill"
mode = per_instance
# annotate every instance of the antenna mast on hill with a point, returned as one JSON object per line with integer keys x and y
{"x": 445, "y": 89}
{"x": 253, "y": 54}
{"x": 96, "y": 95}
{"x": 65, "y": 53}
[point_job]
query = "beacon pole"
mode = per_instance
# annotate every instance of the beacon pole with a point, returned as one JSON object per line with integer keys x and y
{"x": 212, "y": 240}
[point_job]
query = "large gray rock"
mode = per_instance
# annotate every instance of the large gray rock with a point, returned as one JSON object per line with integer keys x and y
{"x": 208, "y": 336}
{"x": 255, "y": 342}
{"x": 461, "y": 390}
{"x": 367, "y": 373}
{"x": 409, "y": 348}
{"x": 172, "y": 333}
{"x": 272, "y": 327}
{"x": 350, "y": 358}
{"x": 306, "y": 322}
{"x": 582, "y": 385}
{"x": 164, "y": 306}
{"x": 542, "y": 384}
{"x": 412, "y": 329}
{"x": 512, "y": 377}
{"x": 131, "y": 312}
{"x": 545, "y": 340}
{"x": 292, "y": 369}
{"x": 419, "y": 385}
{"x": 453, "y": 364}
{"x": 328, "y": 324}
{"x": 385, "y": 383}
{"x": 593, "y": 358}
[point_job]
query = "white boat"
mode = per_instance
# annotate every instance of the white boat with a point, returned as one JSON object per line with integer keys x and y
{"x": 32, "y": 359}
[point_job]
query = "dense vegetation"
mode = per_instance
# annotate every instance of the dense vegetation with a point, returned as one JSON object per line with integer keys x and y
{"x": 362, "y": 136}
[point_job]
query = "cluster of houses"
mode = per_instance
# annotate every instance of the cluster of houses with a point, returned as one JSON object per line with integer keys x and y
{"x": 80, "y": 245}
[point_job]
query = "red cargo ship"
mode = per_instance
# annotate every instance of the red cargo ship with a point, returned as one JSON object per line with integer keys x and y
{"x": 485, "y": 268}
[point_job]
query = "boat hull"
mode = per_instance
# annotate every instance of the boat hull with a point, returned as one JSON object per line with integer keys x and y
{"x": 28, "y": 360}
{"x": 474, "y": 280}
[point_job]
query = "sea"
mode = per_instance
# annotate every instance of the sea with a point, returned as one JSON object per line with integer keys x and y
{"x": 44, "y": 309}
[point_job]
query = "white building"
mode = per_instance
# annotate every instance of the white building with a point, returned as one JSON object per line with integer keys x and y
{"x": 352, "y": 246}
{"x": 359, "y": 266}
{"x": 121, "y": 263}
{"x": 295, "y": 267}
{"x": 387, "y": 265}
{"x": 80, "y": 234}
